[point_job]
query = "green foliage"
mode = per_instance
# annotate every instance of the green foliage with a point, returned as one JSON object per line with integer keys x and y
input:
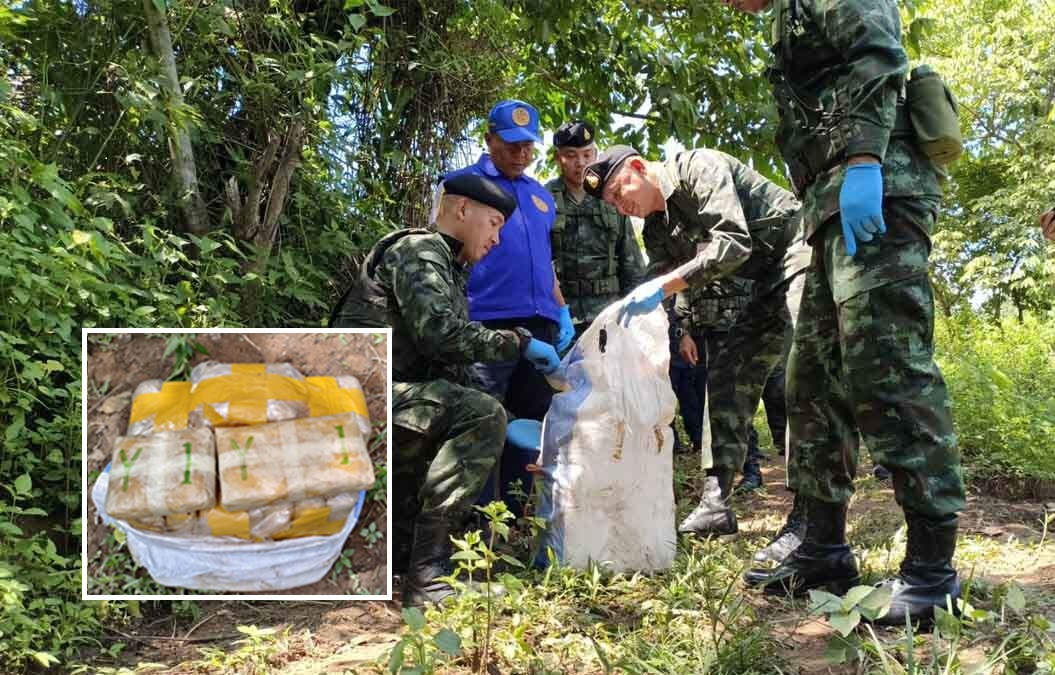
{"x": 1002, "y": 380}
{"x": 182, "y": 347}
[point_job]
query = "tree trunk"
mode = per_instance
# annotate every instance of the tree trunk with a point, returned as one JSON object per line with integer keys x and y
{"x": 195, "y": 217}
{"x": 256, "y": 217}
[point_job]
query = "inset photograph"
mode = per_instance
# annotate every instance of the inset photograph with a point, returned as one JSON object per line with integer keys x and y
{"x": 236, "y": 463}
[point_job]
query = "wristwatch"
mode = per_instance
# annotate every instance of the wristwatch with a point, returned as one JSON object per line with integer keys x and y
{"x": 525, "y": 337}
{"x": 679, "y": 332}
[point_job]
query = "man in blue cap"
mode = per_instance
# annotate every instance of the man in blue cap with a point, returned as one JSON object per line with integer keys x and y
{"x": 515, "y": 285}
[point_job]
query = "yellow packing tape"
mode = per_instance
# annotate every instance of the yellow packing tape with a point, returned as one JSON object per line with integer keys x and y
{"x": 168, "y": 406}
{"x": 224, "y": 523}
{"x": 327, "y": 398}
{"x": 311, "y": 522}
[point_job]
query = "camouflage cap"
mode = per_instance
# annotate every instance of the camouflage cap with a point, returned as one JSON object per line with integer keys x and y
{"x": 574, "y": 134}
{"x": 481, "y": 189}
{"x": 607, "y": 164}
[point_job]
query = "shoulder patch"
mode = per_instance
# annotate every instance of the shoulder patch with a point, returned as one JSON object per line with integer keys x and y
{"x": 540, "y": 203}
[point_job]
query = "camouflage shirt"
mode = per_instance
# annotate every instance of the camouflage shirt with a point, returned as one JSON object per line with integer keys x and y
{"x": 713, "y": 307}
{"x": 838, "y": 72}
{"x": 722, "y": 219}
{"x": 595, "y": 254}
{"x": 417, "y": 287}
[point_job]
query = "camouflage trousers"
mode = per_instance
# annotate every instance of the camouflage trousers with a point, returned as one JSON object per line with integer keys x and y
{"x": 738, "y": 370}
{"x": 862, "y": 367}
{"x": 446, "y": 439}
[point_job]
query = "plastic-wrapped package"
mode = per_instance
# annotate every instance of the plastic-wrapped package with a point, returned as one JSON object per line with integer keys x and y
{"x": 225, "y": 564}
{"x": 232, "y": 394}
{"x": 145, "y": 425}
{"x": 168, "y": 472}
{"x": 608, "y": 484}
{"x": 342, "y": 505}
{"x": 267, "y": 521}
{"x": 183, "y": 524}
{"x": 150, "y": 523}
{"x": 316, "y": 457}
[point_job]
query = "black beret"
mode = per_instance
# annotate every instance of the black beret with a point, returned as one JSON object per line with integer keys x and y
{"x": 481, "y": 189}
{"x": 574, "y": 134}
{"x": 608, "y": 162}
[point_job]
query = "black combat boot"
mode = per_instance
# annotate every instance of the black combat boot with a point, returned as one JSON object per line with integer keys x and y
{"x": 788, "y": 538}
{"x": 927, "y": 576}
{"x": 713, "y": 515}
{"x": 823, "y": 560}
{"x": 752, "y": 479}
{"x": 429, "y": 559}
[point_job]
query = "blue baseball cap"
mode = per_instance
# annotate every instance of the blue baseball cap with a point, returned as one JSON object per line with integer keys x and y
{"x": 514, "y": 121}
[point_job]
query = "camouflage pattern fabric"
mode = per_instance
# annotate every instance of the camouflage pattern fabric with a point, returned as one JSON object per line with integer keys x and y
{"x": 418, "y": 288}
{"x": 713, "y": 307}
{"x": 447, "y": 436}
{"x": 446, "y": 440}
{"x": 746, "y": 355}
{"x": 831, "y": 109}
{"x": 862, "y": 355}
{"x": 595, "y": 254}
{"x": 722, "y": 219}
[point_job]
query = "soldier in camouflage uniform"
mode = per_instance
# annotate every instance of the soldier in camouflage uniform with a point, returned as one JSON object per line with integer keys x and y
{"x": 704, "y": 317}
{"x": 595, "y": 254}
{"x": 447, "y": 435}
{"x": 709, "y": 217}
{"x": 862, "y": 357}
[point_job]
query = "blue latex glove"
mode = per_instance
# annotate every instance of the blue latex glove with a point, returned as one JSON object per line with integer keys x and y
{"x": 861, "y": 204}
{"x": 542, "y": 355}
{"x": 525, "y": 434}
{"x": 641, "y": 300}
{"x": 567, "y": 329}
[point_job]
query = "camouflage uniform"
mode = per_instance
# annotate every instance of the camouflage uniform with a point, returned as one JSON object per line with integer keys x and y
{"x": 447, "y": 435}
{"x": 862, "y": 356}
{"x": 724, "y": 219}
{"x": 595, "y": 254}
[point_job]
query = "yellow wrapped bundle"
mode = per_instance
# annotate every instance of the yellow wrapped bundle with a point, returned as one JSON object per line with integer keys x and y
{"x": 313, "y": 458}
{"x": 232, "y": 394}
{"x": 170, "y": 472}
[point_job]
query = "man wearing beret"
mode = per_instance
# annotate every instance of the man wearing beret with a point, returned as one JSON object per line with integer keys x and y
{"x": 595, "y": 254}
{"x": 447, "y": 436}
{"x": 709, "y": 217}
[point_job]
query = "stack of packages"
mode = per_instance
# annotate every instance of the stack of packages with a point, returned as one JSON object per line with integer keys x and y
{"x": 253, "y": 451}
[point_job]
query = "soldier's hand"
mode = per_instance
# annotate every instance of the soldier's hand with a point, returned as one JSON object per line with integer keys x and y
{"x": 861, "y": 204}
{"x": 542, "y": 355}
{"x": 688, "y": 351}
{"x": 1047, "y": 224}
{"x": 567, "y": 329}
{"x": 641, "y": 300}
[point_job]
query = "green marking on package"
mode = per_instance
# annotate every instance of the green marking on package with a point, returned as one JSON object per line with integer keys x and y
{"x": 186, "y": 472}
{"x": 127, "y": 464}
{"x": 344, "y": 448}
{"x": 241, "y": 454}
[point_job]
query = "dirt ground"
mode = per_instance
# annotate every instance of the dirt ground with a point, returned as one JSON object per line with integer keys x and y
{"x": 118, "y": 363}
{"x": 341, "y": 637}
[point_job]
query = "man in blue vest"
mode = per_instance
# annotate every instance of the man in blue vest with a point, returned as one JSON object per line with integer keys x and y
{"x": 515, "y": 285}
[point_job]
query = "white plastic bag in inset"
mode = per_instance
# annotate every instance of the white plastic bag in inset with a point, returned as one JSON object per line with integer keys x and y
{"x": 226, "y": 563}
{"x": 608, "y": 478}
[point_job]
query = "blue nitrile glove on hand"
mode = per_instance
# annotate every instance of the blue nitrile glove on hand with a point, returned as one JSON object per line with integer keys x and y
{"x": 525, "y": 434}
{"x": 542, "y": 355}
{"x": 861, "y": 204}
{"x": 567, "y": 329}
{"x": 641, "y": 300}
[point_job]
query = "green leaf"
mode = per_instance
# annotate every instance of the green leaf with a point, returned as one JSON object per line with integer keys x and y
{"x": 842, "y": 649}
{"x": 382, "y": 10}
{"x": 948, "y": 624}
{"x": 45, "y": 659}
{"x": 877, "y": 603}
{"x": 845, "y": 622}
{"x": 356, "y": 21}
{"x": 23, "y": 484}
{"x": 465, "y": 555}
{"x": 854, "y": 596}
{"x": 414, "y": 618}
{"x": 159, "y": 5}
{"x": 448, "y": 642}
{"x": 511, "y": 560}
{"x": 822, "y": 602}
{"x": 395, "y": 661}
{"x": 1015, "y": 599}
